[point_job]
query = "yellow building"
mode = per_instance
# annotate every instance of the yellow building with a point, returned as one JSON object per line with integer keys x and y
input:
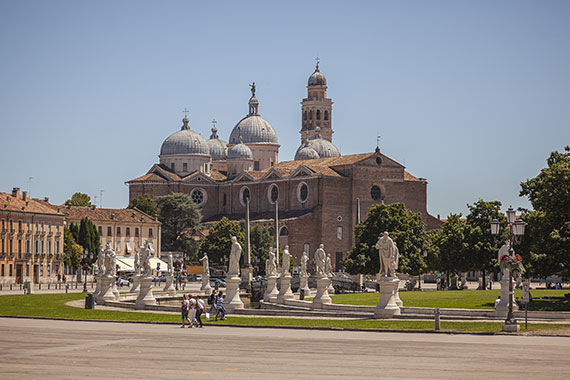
{"x": 31, "y": 240}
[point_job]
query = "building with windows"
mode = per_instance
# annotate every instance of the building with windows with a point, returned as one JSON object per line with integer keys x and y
{"x": 31, "y": 240}
{"x": 320, "y": 195}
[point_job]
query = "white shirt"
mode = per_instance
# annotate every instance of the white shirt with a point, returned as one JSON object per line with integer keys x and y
{"x": 201, "y": 304}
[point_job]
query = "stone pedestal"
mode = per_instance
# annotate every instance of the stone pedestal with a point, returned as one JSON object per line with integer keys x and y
{"x": 231, "y": 300}
{"x": 502, "y": 308}
{"x": 97, "y": 286}
{"x": 387, "y": 307}
{"x": 511, "y": 328}
{"x": 106, "y": 290}
{"x": 206, "y": 288}
{"x": 246, "y": 277}
{"x": 136, "y": 283}
{"x": 169, "y": 286}
{"x": 322, "y": 297}
{"x": 271, "y": 292}
{"x": 285, "y": 292}
{"x": 145, "y": 293}
{"x": 304, "y": 285}
{"x": 397, "y": 296}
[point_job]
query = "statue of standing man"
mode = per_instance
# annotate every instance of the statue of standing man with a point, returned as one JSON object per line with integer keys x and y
{"x": 286, "y": 261}
{"x": 205, "y": 264}
{"x": 235, "y": 254}
{"x": 320, "y": 261}
{"x": 389, "y": 256}
{"x": 304, "y": 260}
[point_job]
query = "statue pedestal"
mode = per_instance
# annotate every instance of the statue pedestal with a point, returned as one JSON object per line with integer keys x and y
{"x": 397, "y": 294}
{"x": 136, "y": 283}
{"x": 502, "y": 308}
{"x": 115, "y": 289}
{"x": 145, "y": 293}
{"x": 511, "y": 328}
{"x": 271, "y": 292}
{"x": 169, "y": 286}
{"x": 231, "y": 300}
{"x": 246, "y": 277}
{"x": 97, "y": 286}
{"x": 304, "y": 285}
{"x": 387, "y": 307}
{"x": 206, "y": 284}
{"x": 106, "y": 291}
{"x": 322, "y": 297}
{"x": 285, "y": 292}
{"x": 331, "y": 287}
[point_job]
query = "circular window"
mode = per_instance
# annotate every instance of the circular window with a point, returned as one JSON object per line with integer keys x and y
{"x": 376, "y": 193}
{"x": 199, "y": 196}
{"x": 273, "y": 193}
{"x": 244, "y": 194}
{"x": 378, "y": 161}
{"x": 302, "y": 192}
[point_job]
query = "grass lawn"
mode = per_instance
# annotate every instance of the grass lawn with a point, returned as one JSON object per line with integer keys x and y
{"x": 462, "y": 299}
{"x": 53, "y": 306}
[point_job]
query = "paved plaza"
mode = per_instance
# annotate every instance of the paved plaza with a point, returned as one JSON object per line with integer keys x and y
{"x": 34, "y": 349}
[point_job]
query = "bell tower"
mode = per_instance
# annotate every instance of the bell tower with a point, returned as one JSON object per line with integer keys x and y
{"x": 316, "y": 108}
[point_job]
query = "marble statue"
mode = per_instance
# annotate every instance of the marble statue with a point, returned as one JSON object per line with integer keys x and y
{"x": 137, "y": 263}
{"x": 170, "y": 264}
{"x": 328, "y": 265}
{"x": 304, "y": 260}
{"x": 110, "y": 260}
{"x": 389, "y": 255}
{"x": 320, "y": 260}
{"x": 205, "y": 264}
{"x": 286, "y": 261}
{"x": 145, "y": 260}
{"x": 270, "y": 267}
{"x": 235, "y": 254}
{"x": 101, "y": 262}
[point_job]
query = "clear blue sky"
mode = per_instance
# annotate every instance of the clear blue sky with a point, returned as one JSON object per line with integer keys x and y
{"x": 472, "y": 95}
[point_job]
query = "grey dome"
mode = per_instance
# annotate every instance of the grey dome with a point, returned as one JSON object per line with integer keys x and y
{"x": 254, "y": 129}
{"x": 218, "y": 148}
{"x": 305, "y": 152}
{"x": 324, "y": 148}
{"x": 185, "y": 141}
{"x": 317, "y": 78}
{"x": 240, "y": 152}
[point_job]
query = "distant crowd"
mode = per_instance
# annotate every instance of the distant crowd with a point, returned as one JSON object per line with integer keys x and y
{"x": 194, "y": 308}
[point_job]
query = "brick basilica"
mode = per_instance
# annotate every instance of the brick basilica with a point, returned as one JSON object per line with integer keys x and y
{"x": 319, "y": 195}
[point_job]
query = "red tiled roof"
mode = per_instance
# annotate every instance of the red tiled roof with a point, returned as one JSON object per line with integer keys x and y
{"x": 18, "y": 204}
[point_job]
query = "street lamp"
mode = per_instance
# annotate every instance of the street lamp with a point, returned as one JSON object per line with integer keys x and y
{"x": 516, "y": 232}
{"x": 85, "y": 266}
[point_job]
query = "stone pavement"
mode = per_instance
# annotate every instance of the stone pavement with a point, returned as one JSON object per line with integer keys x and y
{"x": 43, "y": 349}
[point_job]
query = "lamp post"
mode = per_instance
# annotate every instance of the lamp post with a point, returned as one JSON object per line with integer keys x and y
{"x": 516, "y": 232}
{"x": 85, "y": 266}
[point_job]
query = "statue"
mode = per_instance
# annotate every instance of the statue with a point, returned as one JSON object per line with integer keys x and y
{"x": 235, "y": 254}
{"x": 252, "y": 89}
{"x": 304, "y": 260}
{"x": 101, "y": 262}
{"x": 328, "y": 265}
{"x": 389, "y": 256}
{"x": 504, "y": 251}
{"x": 205, "y": 264}
{"x": 320, "y": 260}
{"x": 145, "y": 261}
{"x": 270, "y": 268}
{"x": 286, "y": 261}
{"x": 170, "y": 264}
{"x": 110, "y": 260}
{"x": 137, "y": 263}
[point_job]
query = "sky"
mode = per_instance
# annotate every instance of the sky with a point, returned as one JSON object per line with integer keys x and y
{"x": 472, "y": 95}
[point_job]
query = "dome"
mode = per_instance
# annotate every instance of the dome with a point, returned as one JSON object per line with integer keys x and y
{"x": 240, "y": 152}
{"x": 218, "y": 148}
{"x": 254, "y": 129}
{"x": 185, "y": 141}
{"x": 324, "y": 148}
{"x": 305, "y": 152}
{"x": 317, "y": 78}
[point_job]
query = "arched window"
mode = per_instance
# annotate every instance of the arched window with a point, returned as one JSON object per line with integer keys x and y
{"x": 318, "y": 115}
{"x": 284, "y": 232}
{"x": 305, "y": 116}
{"x": 311, "y": 115}
{"x": 244, "y": 194}
{"x": 273, "y": 193}
{"x": 376, "y": 193}
{"x": 326, "y": 115}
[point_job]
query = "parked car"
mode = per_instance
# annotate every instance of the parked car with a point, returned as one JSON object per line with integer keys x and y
{"x": 214, "y": 281}
{"x": 194, "y": 277}
{"x": 121, "y": 281}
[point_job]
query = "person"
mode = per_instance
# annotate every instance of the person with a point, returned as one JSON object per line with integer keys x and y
{"x": 192, "y": 313}
{"x": 220, "y": 310}
{"x": 200, "y": 307}
{"x": 497, "y": 301}
{"x": 212, "y": 303}
{"x": 185, "y": 307}
{"x": 64, "y": 279}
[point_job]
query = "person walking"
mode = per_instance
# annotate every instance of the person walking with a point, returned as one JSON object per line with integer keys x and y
{"x": 192, "y": 310}
{"x": 200, "y": 307}
{"x": 220, "y": 310}
{"x": 212, "y": 303}
{"x": 185, "y": 307}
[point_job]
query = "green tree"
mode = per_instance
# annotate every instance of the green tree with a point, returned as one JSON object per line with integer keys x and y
{"x": 180, "y": 219}
{"x": 546, "y": 242}
{"x": 79, "y": 199}
{"x": 218, "y": 243}
{"x": 145, "y": 204}
{"x": 406, "y": 229}
{"x": 261, "y": 241}
{"x": 481, "y": 247}
{"x": 72, "y": 251}
{"x": 451, "y": 243}
{"x": 89, "y": 238}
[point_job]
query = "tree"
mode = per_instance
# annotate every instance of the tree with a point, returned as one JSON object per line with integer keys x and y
{"x": 218, "y": 243}
{"x": 80, "y": 200}
{"x": 180, "y": 219}
{"x": 261, "y": 241}
{"x": 546, "y": 242}
{"x": 481, "y": 247}
{"x": 89, "y": 239}
{"x": 145, "y": 204}
{"x": 72, "y": 251}
{"x": 406, "y": 229}
{"x": 451, "y": 245}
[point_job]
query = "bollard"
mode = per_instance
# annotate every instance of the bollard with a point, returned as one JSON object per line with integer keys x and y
{"x": 48, "y": 285}
{"x": 437, "y": 324}
{"x": 40, "y": 286}
{"x": 66, "y": 288}
{"x": 10, "y": 286}
{"x": 301, "y": 294}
